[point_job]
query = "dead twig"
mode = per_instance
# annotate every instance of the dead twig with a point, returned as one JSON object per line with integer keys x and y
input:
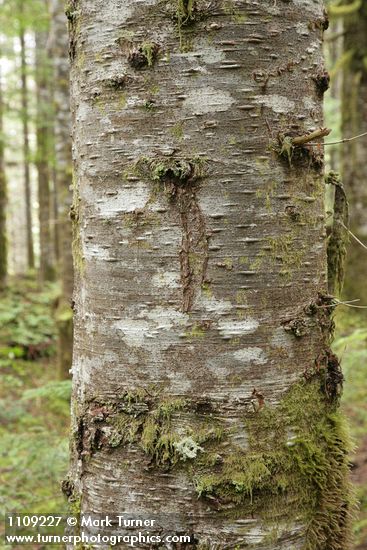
{"x": 345, "y": 140}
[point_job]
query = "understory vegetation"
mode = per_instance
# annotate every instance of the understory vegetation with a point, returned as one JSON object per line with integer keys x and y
{"x": 34, "y": 405}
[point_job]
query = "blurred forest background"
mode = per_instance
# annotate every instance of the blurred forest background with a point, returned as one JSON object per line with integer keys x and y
{"x": 36, "y": 242}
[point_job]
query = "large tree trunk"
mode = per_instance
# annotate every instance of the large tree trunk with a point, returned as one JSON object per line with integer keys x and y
{"x": 354, "y": 166}
{"x": 3, "y": 239}
{"x": 63, "y": 180}
{"x": 47, "y": 251}
{"x": 205, "y": 389}
{"x": 26, "y": 149}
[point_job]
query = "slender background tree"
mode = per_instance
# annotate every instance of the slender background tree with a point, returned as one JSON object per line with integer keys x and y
{"x": 3, "y": 237}
{"x": 26, "y": 147}
{"x": 43, "y": 155}
{"x": 354, "y": 153}
{"x": 63, "y": 180}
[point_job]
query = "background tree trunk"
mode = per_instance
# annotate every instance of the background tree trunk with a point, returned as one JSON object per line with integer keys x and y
{"x": 205, "y": 390}
{"x": 26, "y": 150}
{"x": 354, "y": 166}
{"x": 63, "y": 180}
{"x": 47, "y": 251}
{"x": 3, "y": 236}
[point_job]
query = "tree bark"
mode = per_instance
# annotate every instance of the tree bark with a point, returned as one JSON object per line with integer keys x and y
{"x": 354, "y": 169}
{"x": 47, "y": 251}
{"x": 26, "y": 150}
{"x": 63, "y": 180}
{"x": 3, "y": 236}
{"x": 205, "y": 390}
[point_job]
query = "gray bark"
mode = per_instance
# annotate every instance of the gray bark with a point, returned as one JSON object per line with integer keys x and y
{"x": 201, "y": 271}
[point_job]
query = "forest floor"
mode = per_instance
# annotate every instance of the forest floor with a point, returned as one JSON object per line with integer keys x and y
{"x": 34, "y": 404}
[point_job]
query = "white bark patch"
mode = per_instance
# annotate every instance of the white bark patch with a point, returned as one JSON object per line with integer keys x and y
{"x": 309, "y": 103}
{"x": 133, "y": 331}
{"x": 153, "y": 329}
{"x": 165, "y": 317}
{"x": 237, "y": 328}
{"x": 209, "y": 54}
{"x": 180, "y": 382}
{"x": 278, "y": 103}
{"x": 251, "y": 355}
{"x": 315, "y": 46}
{"x": 302, "y": 29}
{"x": 128, "y": 7}
{"x": 208, "y": 100}
{"x": 212, "y": 305}
{"x": 281, "y": 339}
{"x": 166, "y": 279}
{"x": 309, "y": 5}
{"x": 127, "y": 199}
{"x": 96, "y": 251}
{"x": 83, "y": 370}
{"x": 255, "y": 535}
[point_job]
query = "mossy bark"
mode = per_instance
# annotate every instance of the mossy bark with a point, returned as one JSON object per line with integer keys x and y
{"x": 204, "y": 387}
{"x": 354, "y": 170}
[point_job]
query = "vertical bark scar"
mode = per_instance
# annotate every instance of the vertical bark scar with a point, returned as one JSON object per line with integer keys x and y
{"x": 194, "y": 253}
{"x": 178, "y": 179}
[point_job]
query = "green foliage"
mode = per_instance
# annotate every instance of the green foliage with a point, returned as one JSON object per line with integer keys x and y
{"x": 26, "y": 319}
{"x": 351, "y": 345}
{"x": 343, "y": 9}
{"x": 353, "y": 350}
{"x": 51, "y": 390}
{"x": 33, "y": 463}
{"x": 34, "y": 409}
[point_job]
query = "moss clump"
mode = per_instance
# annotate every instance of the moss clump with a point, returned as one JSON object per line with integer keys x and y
{"x": 116, "y": 82}
{"x": 158, "y": 439}
{"x": 296, "y": 466}
{"x": 177, "y": 131}
{"x": 196, "y": 331}
{"x": 179, "y": 170}
{"x": 173, "y": 176}
{"x": 186, "y": 14}
{"x": 136, "y": 418}
{"x": 296, "y": 151}
{"x": 185, "y": 11}
{"x": 338, "y": 237}
{"x": 144, "y": 56}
